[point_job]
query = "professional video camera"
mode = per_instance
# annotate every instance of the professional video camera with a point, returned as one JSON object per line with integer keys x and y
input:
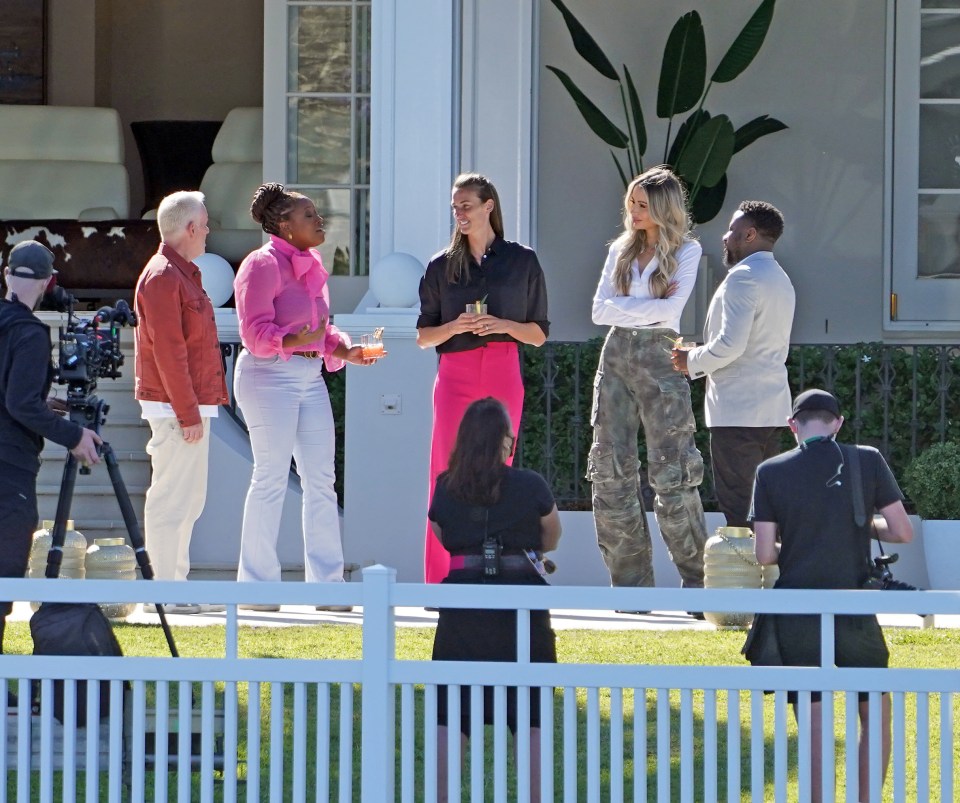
{"x": 879, "y": 576}
{"x": 89, "y": 350}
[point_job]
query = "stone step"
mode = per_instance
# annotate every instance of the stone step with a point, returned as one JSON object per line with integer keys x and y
{"x": 90, "y": 501}
{"x": 134, "y": 468}
{"x": 124, "y": 432}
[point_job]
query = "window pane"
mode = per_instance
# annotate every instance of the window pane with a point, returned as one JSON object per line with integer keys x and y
{"x": 363, "y": 47}
{"x": 362, "y": 232}
{"x": 318, "y": 151}
{"x": 334, "y": 208}
{"x": 321, "y": 49}
{"x": 940, "y": 56}
{"x": 939, "y": 146}
{"x": 947, "y": 4}
{"x": 939, "y": 236}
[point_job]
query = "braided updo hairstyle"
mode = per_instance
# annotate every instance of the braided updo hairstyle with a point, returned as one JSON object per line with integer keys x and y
{"x": 271, "y": 205}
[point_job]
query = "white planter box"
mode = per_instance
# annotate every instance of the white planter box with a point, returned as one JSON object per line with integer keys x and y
{"x": 941, "y": 547}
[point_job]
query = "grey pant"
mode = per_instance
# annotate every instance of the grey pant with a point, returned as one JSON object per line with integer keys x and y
{"x": 636, "y": 386}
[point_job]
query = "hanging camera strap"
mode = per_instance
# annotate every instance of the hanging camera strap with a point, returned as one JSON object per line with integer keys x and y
{"x": 859, "y": 508}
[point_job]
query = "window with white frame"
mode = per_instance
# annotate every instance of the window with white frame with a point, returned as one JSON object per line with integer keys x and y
{"x": 925, "y": 220}
{"x": 328, "y": 123}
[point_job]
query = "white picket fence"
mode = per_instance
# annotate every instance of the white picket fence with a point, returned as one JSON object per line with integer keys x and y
{"x": 360, "y": 729}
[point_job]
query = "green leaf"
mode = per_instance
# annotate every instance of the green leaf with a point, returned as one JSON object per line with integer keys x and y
{"x": 640, "y": 140}
{"x": 756, "y": 128}
{"x": 708, "y": 154}
{"x": 747, "y": 44}
{"x": 689, "y": 127}
{"x": 586, "y": 45}
{"x": 684, "y": 69}
{"x": 599, "y": 123}
{"x": 708, "y": 201}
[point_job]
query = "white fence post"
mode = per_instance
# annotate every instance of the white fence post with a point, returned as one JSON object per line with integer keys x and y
{"x": 378, "y": 717}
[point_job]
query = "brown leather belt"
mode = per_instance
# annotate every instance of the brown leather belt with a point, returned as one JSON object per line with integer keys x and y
{"x": 309, "y": 355}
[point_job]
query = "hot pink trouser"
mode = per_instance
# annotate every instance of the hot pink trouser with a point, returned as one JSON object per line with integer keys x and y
{"x": 462, "y": 378}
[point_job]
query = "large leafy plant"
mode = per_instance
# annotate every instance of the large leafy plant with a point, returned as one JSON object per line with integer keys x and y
{"x": 704, "y": 144}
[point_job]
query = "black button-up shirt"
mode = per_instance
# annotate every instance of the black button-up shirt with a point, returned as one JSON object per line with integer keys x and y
{"x": 509, "y": 276}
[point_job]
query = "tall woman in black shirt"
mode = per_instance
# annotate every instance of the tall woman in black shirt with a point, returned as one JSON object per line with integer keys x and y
{"x": 478, "y": 351}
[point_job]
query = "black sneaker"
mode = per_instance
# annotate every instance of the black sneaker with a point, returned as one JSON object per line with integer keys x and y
{"x": 697, "y": 615}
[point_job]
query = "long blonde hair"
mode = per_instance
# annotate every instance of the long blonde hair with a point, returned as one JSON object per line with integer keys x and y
{"x": 458, "y": 252}
{"x": 667, "y": 205}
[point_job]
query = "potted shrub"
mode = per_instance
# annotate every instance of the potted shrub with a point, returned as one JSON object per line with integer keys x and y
{"x": 932, "y": 481}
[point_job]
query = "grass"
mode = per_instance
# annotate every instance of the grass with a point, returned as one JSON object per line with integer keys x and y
{"x": 908, "y": 648}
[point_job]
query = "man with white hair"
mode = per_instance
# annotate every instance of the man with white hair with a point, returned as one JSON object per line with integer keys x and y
{"x": 26, "y": 374}
{"x": 179, "y": 383}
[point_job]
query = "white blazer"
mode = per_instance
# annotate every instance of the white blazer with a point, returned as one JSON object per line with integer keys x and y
{"x": 746, "y": 340}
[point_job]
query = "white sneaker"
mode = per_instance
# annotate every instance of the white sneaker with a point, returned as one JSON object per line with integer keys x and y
{"x": 256, "y": 607}
{"x": 335, "y": 608}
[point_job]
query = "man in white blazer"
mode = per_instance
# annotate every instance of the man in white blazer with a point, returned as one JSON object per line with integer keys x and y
{"x": 746, "y": 340}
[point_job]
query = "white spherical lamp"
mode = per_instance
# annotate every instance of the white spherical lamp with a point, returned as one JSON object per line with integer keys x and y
{"x": 395, "y": 280}
{"x": 217, "y": 277}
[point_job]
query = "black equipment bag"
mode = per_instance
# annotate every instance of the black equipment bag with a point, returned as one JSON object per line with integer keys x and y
{"x": 67, "y": 628}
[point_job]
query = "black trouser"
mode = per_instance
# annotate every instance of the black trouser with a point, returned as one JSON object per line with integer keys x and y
{"x": 735, "y": 453}
{"x": 18, "y": 520}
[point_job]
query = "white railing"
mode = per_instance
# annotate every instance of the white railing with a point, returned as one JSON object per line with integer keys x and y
{"x": 703, "y": 732}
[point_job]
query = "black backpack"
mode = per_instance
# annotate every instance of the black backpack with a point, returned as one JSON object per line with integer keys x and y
{"x": 67, "y": 628}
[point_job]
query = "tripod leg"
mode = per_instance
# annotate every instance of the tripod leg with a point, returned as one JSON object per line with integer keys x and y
{"x": 133, "y": 531}
{"x": 59, "y": 535}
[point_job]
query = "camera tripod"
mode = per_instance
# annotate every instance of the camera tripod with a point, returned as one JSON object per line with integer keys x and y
{"x": 93, "y": 411}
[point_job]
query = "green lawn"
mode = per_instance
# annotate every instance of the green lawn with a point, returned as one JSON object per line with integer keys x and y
{"x": 913, "y": 648}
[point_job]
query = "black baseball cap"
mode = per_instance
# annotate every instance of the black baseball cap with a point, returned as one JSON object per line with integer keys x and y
{"x": 814, "y": 400}
{"x": 31, "y": 260}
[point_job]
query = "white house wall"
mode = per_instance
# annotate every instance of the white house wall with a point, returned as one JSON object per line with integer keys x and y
{"x": 820, "y": 71}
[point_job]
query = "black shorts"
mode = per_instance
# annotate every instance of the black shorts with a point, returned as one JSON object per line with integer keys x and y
{"x": 858, "y": 642}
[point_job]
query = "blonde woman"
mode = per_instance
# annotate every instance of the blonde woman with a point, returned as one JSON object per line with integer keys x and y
{"x": 648, "y": 277}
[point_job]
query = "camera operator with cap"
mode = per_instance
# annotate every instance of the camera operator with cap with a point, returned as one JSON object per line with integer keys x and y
{"x": 26, "y": 373}
{"x": 804, "y": 499}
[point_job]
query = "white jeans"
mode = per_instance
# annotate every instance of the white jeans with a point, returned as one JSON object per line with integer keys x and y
{"x": 175, "y": 498}
{"x": 287, "y": 410}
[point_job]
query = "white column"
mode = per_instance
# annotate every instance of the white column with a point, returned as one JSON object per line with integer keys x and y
{"x": 500, "y": 89}
{"x": 389, "y": 410}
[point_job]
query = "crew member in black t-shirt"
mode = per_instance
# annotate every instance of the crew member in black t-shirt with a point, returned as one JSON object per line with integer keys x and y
{"x": 479, "y": 498}
{"x": 803, "y": 499}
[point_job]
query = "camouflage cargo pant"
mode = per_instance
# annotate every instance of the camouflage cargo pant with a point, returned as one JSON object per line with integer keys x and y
{"x": 636, "y": 386}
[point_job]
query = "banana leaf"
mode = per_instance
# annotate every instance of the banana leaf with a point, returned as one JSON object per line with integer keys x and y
{"x": 684, "y": 69}
{"x": 756, "y": 128}
{"x": 746, "y": 46}
{"x": 686, "y": 130}
{"x": 708, "y": 201}
{"x": 599, "y": 123}
{"x": 640, "y": 130}
{"x": 586, "y": 45}
{"x": 707, "y": 156}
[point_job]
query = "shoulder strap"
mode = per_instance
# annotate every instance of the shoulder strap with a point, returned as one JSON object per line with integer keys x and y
{"x": 856, "y": 480}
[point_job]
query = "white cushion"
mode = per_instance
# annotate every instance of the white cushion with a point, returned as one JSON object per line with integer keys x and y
{"x": 229, "y": 190}
{"x": 70, "y": 133}
{"x": 59, "y": 190}
{"x": 240, "y": 138}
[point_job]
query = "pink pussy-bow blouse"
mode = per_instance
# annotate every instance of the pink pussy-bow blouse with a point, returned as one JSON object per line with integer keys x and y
{"x": 278, "y": 291}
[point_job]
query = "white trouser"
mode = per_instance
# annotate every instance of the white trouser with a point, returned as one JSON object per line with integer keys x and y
{"x": 287, "y": 410}
{"x": 175, "y": 497}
